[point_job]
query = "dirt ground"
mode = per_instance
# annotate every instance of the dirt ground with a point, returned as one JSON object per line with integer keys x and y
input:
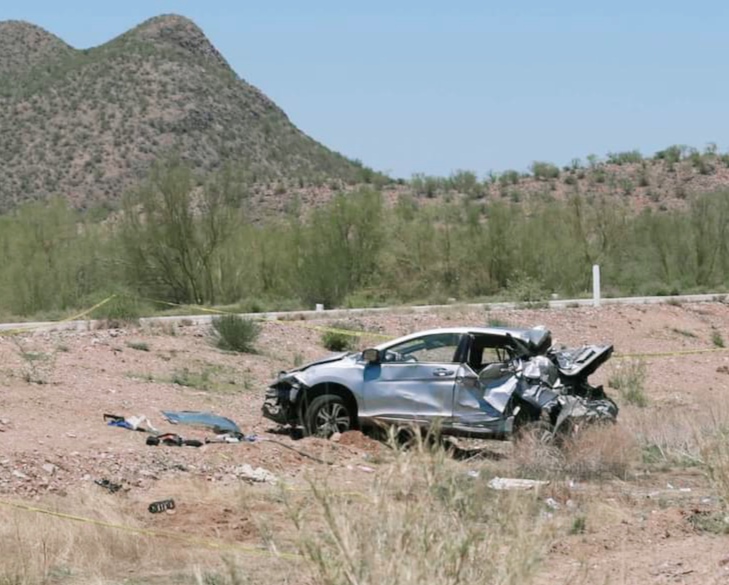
{"x": 56, "y": 387}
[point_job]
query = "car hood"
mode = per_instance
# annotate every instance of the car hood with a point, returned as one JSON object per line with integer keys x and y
{"x": 325, "y": 360}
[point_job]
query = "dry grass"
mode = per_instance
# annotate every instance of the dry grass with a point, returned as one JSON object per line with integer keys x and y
{"x": 422, "y": 521}
{"x": 600, "y": 452}
{"x": 37, "y": 548}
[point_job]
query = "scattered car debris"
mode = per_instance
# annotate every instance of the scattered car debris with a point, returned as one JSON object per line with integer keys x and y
{"x": 486, "y": 382}
{"x": 257, "y": 475}
{"x": 133, "y": 423}
{"x": 516, "y": 484}
{"x": 218, "y": 424}
{"x": 108, "y": 485}
{"x": 232, "y": 438}
{"x": 161, "y": 506}
{"x": 172, "y": 440}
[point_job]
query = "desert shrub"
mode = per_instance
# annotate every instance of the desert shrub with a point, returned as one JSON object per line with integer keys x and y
{"x": 544, "y": 170}
{"x": 121, "y": 310}
{"x": 337, "y": 338}
{"x": 510, "y": 177}
{"x": 234, "y": 333}
{"x": 627, "y": 157}
{"x": 628, "y": 378}
{"x": 138, "y": 345}
{"x": 717, "y": 339}
{"x": 526, "y": 289}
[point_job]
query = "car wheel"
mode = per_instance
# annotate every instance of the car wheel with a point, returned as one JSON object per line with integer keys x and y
{"x": 538, "y": 431}
{"x": 327, "y": 415}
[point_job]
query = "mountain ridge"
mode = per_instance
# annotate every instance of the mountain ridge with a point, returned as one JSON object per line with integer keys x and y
{"x": 88, "y": 124}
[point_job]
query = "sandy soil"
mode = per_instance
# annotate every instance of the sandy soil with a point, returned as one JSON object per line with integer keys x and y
{"x": 55, "y": 388}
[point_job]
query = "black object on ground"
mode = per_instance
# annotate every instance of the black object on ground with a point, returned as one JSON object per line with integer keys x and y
{"x": 172, "y": 440}
{"x": 161, "y": 506}
{"x": 106, "y": 484}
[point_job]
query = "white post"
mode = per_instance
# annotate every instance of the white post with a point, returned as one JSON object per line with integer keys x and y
{"x": 596, "y": 285}
{"x": 319, "y": 307}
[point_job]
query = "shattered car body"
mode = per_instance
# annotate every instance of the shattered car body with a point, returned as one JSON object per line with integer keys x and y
{"x": 470, "y": 381}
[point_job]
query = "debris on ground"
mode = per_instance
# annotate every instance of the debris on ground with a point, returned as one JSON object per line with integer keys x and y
{"x": 108, "y": 485}
{"x": 133, "y": 423}
{"x": 218, "y": 424}
{"x": 257, "y": 475}
{"x": 232, "y": 438}
{"x": 161, "y": 506}
{"x": 172, "y": 440}
{"x": 516, "y": 484}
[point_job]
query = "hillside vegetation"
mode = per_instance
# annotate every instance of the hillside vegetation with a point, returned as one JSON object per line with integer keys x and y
{"x": 87, "y": 124}
{"x": 184, "y": 238}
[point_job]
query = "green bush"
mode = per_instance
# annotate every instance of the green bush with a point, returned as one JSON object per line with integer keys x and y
{"x": 717, "y": 339}
{"x": 336, "y": 339}
{"x": 234, "y": 333}
{"x": 544, "y": 170}
{"x": 121, "y": 309}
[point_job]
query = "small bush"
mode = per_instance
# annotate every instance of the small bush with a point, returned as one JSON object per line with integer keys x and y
{"x": 120, "y": 310}
{"x": 525, "y": 289}
{"x": 629, "y": 380}
{"x": 339, "y": 340}
{"x": 717, "y": 339}
{"x": 234, "y": 333}
{"x": 579, "y": 525}
{"x": 138, "y": 345}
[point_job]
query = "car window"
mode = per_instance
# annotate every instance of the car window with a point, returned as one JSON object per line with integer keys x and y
{"x": 488, "y": 349}
{"x": 436, "y": 348}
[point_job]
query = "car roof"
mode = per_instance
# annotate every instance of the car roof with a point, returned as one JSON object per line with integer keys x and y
{"x": 532, "y": 335}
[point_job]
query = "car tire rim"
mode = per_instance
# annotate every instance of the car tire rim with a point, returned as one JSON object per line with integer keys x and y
{"x": 332, "y": 418}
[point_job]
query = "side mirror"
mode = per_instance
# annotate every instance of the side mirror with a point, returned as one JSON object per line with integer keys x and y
{"x": 371, "y": 356}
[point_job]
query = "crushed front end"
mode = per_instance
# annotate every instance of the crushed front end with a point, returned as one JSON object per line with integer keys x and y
{"x": 280, "y": 403}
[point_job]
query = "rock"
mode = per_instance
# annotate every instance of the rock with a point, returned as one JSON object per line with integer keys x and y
{"x": 49, "y": 468}
{"x": 20, "y": 474}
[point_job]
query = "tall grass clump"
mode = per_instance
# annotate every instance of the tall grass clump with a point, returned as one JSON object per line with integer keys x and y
{"x": 234, "y": 333}
{"x": 422, "y": 520}
{"x": 629, "y": 379}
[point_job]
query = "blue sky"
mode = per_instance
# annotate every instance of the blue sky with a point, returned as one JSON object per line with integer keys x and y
{"x": 424, "y": 86}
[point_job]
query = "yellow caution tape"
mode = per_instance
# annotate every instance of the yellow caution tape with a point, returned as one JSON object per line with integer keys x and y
{"x": 670, "y": 353}
{"x": 350, "y": 332}
{"x": 184, "y": 305}
{"x": 207, "y": 543}
{"x": 75, "y": 317}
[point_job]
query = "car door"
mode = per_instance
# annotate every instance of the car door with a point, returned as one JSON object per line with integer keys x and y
{"x": 414, "y": 382}
{"x": 484, "y": 387}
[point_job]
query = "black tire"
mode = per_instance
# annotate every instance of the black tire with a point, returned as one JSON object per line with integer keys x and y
{"x": 326, "y": 415}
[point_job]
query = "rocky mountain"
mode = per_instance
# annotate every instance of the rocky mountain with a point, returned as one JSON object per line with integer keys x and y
{"x": 87, "y": 124}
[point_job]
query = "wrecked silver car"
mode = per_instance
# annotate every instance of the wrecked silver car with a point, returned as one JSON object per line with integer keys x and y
{"x": 472, "y": 381}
